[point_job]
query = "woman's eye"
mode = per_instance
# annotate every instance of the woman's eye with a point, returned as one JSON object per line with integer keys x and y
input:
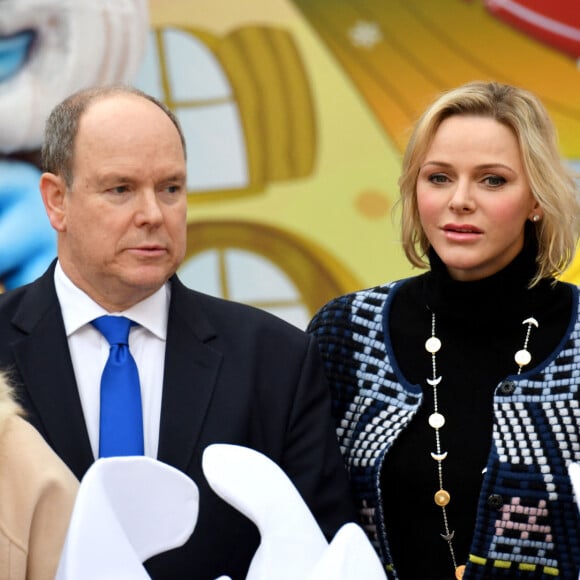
{"x": 494, "y": 180}
{"x": 438, "y": 178}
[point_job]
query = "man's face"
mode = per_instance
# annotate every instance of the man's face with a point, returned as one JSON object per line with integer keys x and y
{"x": 122, "y": 228}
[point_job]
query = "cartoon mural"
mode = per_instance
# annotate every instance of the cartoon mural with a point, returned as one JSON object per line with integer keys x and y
{"x": 299, "y": 111}
{"x": 296, "y": 113}
{"x": 48, "y": 49}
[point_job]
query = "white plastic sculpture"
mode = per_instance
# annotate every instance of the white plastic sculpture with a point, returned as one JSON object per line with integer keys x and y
{"x": 127, "y": 510}
{"x": 291, "y": 541}
{"x": 574, "y": 471}
{"x": 350, "y": 556}
{"x": 131, "y": 508}
{"x": 292, "y": 545}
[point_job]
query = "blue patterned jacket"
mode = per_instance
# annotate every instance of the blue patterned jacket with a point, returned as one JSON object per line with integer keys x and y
{"x": 528, "y": 524}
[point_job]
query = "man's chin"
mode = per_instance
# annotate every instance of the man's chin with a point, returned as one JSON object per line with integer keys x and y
{"x": 149, "y": 279}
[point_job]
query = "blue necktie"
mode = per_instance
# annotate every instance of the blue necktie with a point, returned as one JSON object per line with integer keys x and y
{"x": 121, "y": 420}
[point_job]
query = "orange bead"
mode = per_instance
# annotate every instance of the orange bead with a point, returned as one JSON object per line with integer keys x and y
{"x": 442, "y": 498}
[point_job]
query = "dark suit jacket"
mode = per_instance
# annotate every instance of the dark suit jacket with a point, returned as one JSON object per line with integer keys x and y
{"x": 233, "y": 374}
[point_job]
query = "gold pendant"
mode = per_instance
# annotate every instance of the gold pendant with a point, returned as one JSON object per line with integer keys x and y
{"x": 459, "y": 571}
{"x": 442, "y": 498}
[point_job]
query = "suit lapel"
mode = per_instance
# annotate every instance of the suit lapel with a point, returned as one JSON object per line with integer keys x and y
{"x": 43, "y": 360}
{"x": 191, "y": 371}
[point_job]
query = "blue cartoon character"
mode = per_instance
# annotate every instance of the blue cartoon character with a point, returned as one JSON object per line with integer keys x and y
{"x": 49, "y": 49}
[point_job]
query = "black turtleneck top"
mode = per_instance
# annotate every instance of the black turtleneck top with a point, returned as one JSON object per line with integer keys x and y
{"x": 480, "y": 327}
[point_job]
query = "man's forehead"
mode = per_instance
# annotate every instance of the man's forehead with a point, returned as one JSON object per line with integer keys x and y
{"x": 131, "y": 113}
{"x": 105, "y": 104}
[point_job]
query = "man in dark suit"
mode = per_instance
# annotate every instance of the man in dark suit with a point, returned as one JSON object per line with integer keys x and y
{"x": 211, "y": 371}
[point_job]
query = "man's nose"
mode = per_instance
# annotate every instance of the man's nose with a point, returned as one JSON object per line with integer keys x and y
{"x": 149, "y": 209}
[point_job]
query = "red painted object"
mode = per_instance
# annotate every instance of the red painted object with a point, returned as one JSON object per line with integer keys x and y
{"x": 553, "y": 22}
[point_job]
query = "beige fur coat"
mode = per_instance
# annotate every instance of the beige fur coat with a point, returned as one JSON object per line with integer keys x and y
{"x": 37, "y": 493}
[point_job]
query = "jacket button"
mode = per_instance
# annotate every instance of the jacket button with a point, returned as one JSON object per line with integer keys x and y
{"x": 495, "y": 501}
{"x": 507, "y": 387}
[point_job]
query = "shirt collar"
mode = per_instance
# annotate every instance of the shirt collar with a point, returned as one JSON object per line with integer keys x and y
{"x": 79, "y": 309}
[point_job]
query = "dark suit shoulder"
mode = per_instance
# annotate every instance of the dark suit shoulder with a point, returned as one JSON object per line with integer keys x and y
{"x": 210, "y": 314}
{"x": 25, "y": 306}
{"x": 11, "y": 298}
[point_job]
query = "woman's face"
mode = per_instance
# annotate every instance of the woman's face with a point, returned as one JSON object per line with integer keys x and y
{"x": 474, "y": 197}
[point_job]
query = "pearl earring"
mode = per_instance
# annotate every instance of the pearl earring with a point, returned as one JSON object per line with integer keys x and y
{"x": 536, "y": 218}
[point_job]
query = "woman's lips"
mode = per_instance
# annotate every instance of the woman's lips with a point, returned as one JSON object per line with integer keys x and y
{"x": 461, "y": 232}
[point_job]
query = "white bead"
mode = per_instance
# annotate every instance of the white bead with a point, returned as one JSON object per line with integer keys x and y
{"x": 436, "y": 420}
{"x": 432, "y": 345}
{"x": 523, "y": 357}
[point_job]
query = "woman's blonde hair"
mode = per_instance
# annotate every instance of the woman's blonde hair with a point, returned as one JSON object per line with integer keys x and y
{"x": 552, "y": 184}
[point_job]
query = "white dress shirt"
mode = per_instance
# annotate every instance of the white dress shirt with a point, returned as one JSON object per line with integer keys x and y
{"x": 89, "y": 351}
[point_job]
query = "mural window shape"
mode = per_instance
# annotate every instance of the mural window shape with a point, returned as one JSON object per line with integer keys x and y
{"x": 245, "y": 106}
{"x": 262, "y": 266}
{"x": 182, "y": 71}
{"x": 224, "y": 272}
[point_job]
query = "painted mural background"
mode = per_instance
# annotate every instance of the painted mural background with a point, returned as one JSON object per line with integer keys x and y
{"x": 296, "y": 113}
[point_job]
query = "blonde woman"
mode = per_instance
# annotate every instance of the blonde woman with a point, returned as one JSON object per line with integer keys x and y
{"x": 456, "y": 391}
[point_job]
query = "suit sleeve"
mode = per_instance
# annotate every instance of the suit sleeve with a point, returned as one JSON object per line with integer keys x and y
{"x": 311, "y": 457}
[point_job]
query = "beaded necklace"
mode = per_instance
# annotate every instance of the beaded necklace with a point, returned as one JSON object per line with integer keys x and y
{"x": 437, "y": 421}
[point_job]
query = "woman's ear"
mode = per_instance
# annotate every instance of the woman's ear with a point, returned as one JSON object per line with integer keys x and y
{"x": 536, "y": 214}
{"x": 53, "y": 190}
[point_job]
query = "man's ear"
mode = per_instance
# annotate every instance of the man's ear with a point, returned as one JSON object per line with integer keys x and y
{"x": 53, "y": 191}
